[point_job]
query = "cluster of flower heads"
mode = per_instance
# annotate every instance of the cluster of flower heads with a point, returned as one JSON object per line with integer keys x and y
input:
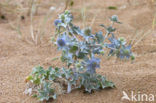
{"x": 82, "y": 45}
{"x": 118, "y": 48}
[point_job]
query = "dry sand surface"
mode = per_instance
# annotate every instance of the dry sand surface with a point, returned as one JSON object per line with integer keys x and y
{"x": 19, "y": 55}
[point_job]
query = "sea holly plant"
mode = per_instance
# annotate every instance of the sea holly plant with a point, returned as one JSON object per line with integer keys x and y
{"x": 81, "y": 49}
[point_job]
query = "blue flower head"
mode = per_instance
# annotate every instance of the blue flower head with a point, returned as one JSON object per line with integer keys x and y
{"x": 61, "y": 41}
{"x": 57, "y": 21}
{"x": 125, "y": 52}
{"x": 114, "y": 18}
{"x": 114, "y": 43}
{"x": 92, "y": 65}
{"x": 87, "y": 33}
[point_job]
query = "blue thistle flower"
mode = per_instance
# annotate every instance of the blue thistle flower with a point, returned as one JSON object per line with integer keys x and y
{"x": 128, "y": 52}
{"x": 114, "y": 18}
{"x": 87, "y": 33}
{"x": 57, "y": 21}
{"x": 114, "y": 43}
{"x": 125, "y": 52}
{"x": 61, "y": 41}
{"x": 92, "y": 65}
